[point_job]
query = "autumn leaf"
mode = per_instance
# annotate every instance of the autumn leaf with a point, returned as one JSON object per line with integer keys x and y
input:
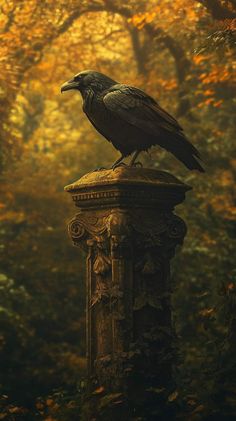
{"x": 49, "y": 402}
{"x": 218, "y": 103}
{"x": 206, "y": 312}
{"x": 99, "y": 390}
{"x": 199, "y": 408}
{"x": 71, "y": 404}
{"x": 17, "y": 410}
{"x": 173, "y": 396}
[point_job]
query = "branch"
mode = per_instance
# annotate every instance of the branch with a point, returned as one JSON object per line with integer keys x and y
{"x": 10, "y": 18}
{"x": 110, "y": 5}
{"x": 217, "y": 10}
{"x": 76, "y": 14}
{"x": 139, "y": 50}
{"x": 107, "y": 36}
{"x": 181, "y": 62}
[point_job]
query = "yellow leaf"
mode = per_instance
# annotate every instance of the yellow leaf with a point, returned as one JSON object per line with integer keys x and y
{"x": 173, "y": 396}
{"x": 206, "y": 312}
{"x": 98, "y": 390}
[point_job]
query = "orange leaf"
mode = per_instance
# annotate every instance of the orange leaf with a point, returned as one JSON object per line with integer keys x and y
{"x": 218, "y": 103}
{"x": 98, "y": 390}
{"x": 173, "y": 396}
{"x": 49, "y": 402}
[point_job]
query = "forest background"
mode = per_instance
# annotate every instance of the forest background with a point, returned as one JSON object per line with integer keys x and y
{"x": 182, "y": 53}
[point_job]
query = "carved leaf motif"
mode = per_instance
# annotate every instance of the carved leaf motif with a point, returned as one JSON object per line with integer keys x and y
{"x": 151, "y": 227}
{"x": 101, "y": 294}
{"x": 102, "y": 264}
{"x": 118, "y": 223}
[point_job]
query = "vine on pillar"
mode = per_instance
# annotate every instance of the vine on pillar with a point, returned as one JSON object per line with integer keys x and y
{"x": 128, "y": 229}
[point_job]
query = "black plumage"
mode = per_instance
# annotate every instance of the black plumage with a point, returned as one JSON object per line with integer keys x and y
{"x": 130, "y": 119}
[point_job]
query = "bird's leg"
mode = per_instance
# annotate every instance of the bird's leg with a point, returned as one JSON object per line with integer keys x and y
{"x": 133, "y": 159}
{"x": 118, "y": 162}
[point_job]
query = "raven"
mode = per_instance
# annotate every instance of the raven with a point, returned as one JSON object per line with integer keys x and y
{"x": 130, "y": 119}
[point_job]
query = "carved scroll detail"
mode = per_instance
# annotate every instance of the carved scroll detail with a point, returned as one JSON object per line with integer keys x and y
{"x": 123, "y": 223}
{"x": 128, "y": 281}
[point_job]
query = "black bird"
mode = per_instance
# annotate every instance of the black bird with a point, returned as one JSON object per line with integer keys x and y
{"x": 130, "y": 119}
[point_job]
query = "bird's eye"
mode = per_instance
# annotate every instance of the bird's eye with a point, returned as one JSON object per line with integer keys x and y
{"x": 77, "y": 78}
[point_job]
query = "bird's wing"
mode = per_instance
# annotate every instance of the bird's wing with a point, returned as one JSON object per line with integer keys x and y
{"x": 139, "y": 109}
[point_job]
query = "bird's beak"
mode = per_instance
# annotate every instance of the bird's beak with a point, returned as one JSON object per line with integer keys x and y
{"x": 70, "y": 84}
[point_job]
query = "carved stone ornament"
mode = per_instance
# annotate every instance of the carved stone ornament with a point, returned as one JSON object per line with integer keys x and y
{"x": 127, "y": 227}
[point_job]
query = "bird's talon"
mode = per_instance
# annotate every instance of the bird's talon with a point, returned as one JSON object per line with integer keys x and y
{"x": 120, "y": 164}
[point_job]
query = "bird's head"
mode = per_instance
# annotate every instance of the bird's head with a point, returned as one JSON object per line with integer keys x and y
{"x": 88, "y": 79}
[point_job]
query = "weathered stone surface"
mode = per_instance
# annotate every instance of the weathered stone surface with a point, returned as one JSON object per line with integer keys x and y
{"x": 127, "y": 186}
{"x": 127, "y": 227}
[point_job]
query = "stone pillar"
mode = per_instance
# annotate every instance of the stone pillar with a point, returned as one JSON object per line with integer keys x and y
{"x": 126, "y": 225}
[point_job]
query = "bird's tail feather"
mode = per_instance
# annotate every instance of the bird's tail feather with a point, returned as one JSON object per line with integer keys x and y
{"x": 190, "y": 162}
{"x": 186, "y": 153}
